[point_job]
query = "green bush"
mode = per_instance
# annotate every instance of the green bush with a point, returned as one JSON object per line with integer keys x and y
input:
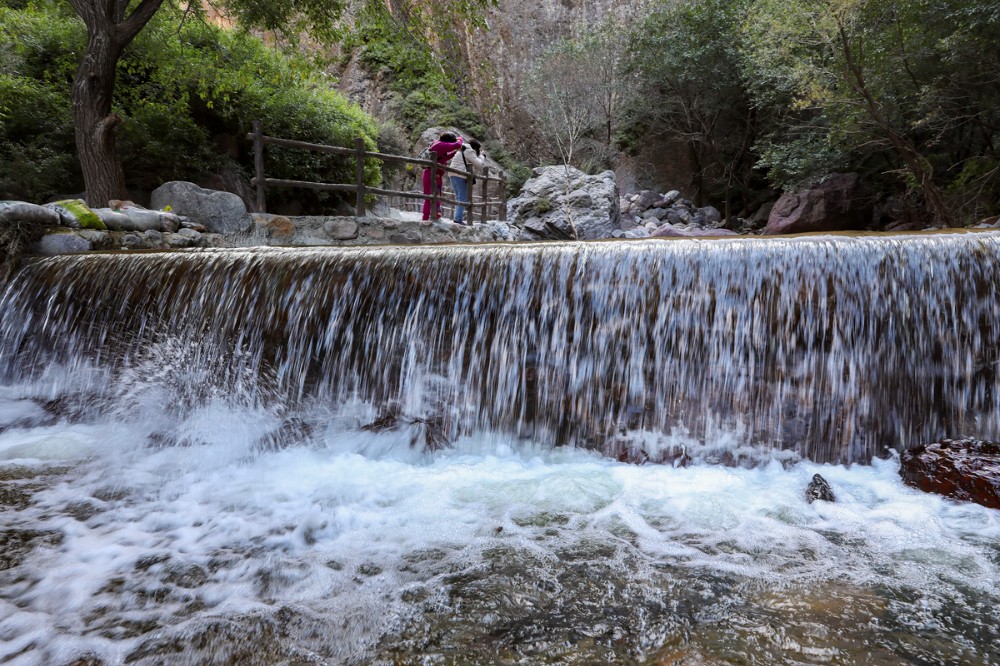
{"x": 181, "y": 86}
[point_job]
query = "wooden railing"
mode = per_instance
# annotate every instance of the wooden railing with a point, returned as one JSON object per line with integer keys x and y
{"x": 483, "y": 180}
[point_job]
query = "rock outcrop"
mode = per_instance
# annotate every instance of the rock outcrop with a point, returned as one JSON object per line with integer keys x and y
{"x": 839, "y": 203}
{"x": 965, "y": 469}
{"x": 562, "y": 203}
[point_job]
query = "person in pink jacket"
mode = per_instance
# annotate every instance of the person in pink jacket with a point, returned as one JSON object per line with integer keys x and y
{"x": 442, "y": 150}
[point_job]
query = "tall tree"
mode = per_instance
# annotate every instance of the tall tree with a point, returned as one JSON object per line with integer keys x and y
{"x": 110, "y": 28}
{"x": 560, "y": 97}
{"x": 686, "y": 55}
{"x": 113, "y": 24}
{"x": 874, "y": 78}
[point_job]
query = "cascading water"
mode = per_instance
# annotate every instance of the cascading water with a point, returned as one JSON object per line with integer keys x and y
{"x": 412, "y": 455}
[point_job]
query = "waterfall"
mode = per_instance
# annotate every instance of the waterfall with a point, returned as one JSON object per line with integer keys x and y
{"x": 835, "y": 349}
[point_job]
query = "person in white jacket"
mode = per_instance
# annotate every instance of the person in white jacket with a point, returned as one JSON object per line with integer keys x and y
{"x": 468, "y": 158}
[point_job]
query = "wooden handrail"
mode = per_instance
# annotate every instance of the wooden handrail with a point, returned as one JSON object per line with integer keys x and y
{"x": 337, "y": 150}
{"x": 261, "y": 182}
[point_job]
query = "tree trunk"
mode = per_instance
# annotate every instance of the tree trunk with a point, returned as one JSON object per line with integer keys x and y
{"x": 94, "y": 121}
{"x": 110, "y": 28}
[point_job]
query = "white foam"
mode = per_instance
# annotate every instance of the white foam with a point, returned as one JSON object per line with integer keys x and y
{"x": 275, "y": 520}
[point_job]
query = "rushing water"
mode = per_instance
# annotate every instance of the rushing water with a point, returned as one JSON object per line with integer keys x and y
{"x": 412, "y": 455}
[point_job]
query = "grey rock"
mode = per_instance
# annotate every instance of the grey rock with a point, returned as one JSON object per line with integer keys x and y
{"x": 712, "y": 215}
{"x": 670, "y": 197}
{"x": 61, "y": 242}
{"x": 153, "y": 238}
{"x": 645, "y": 200}
{"x": 579, "y": 199}
{"x": 99, "y": 240}
{"x": 195, "y": 236}
{"x": 341, "y": 228}
{"x": 132, "y": 241}
{"x": 671, "y": 231}
{"x": 177, "y": 240}
{"x": 838, "y": 203}
{"x": 560, "y": 202}
{"x": 761, "y": 215}
{"x": 187, "y": 223}
{"x": 114, "y": 220}
{"x": 677, "y": 216}
{"x": 219, "y": 212}
{"x": 410, "y": 237}
{"x": 819, "y": 489}
{"x": 642, "y": 232}
{"x": 213, "y": 240}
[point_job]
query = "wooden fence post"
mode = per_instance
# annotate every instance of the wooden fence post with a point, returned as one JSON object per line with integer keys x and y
{"x": 435, "y": 214}
{"x": 503, "y": 198}
{"x": 258, "y": 163}
{"x": 359, "y": 150}
{"x": 486, "y": 198}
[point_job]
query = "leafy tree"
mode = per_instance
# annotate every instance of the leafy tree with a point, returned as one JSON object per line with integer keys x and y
{"x": 686, "y": 55}
{"x": 112, "y": 26}
{"x": 576, "y": 94}
{"x": 182, "y": 85}
{"x": 396, "y": 42}
{"x": 872, "y": 78}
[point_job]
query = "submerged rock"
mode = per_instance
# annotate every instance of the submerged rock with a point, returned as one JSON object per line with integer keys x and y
{"x": 819, "y": 489}
{"x": 963, "y": 469}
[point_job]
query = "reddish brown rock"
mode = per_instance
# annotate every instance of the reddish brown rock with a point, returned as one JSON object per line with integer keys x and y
{"x": 839, "y": 203}
{"x": 965, "y": 469}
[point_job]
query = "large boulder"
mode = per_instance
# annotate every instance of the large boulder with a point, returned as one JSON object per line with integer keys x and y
{"x": 219, "y": 212}
{"x": 966, "y": 469}
{"x": 839, "y": 203}
{"x": 562, "y": 202}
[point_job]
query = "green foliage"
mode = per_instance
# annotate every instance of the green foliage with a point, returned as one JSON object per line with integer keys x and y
{"x": 427, "y": 88}
{"x": 686, "y": 55}
{"x": 517, "y": 171}
{"x": 907, "y": 88}
{"x": 906, "y": 92}
{"x": 182, "y": 87}
{"x": 36, "y": 125}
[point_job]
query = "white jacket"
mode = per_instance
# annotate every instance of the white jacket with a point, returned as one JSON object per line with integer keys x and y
{"x": 475, "y": 161}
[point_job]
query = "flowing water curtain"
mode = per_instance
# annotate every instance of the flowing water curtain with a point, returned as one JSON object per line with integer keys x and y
{"x": 834, "y": 349}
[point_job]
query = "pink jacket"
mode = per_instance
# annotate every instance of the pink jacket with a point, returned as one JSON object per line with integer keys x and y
{"x": 445, "y": 151}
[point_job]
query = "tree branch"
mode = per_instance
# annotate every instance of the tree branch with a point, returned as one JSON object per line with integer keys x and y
{"x": 137, "y": 20}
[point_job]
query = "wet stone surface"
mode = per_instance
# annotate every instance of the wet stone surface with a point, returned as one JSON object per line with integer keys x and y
{"x": 965, "y": 469}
